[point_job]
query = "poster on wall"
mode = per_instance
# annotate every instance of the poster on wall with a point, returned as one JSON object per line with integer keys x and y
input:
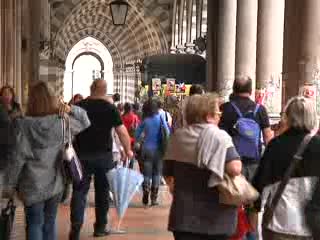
{"x": 260, "y": 96}
{"x": 181, "y": 88}
{"x": 156, "y": 86}
{"x": 171, "y": 85}
{"x": 309, "y": 91}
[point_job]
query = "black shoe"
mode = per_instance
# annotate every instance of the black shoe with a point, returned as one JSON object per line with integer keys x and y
{"x": 101, "y": 233}
{"x": 154, "y": 196}
{"x": 146, "y": 193}
{"x": 75, "y": 233}
{"x": 145, "y": 198}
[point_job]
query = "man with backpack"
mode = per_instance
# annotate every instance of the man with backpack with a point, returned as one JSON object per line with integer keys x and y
{"x": 246, "y": 122}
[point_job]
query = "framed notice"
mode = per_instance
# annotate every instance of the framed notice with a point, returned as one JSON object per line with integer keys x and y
{"x": 171, "y": 85}
{"x": 156, "y": 84}
{"x": 309, "y": 91}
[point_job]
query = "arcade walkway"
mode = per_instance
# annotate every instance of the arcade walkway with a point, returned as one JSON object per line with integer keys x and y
{"x": 139, "y": 223}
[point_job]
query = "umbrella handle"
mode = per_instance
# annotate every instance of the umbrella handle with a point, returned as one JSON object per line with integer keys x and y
{"x": 127, "y": 162}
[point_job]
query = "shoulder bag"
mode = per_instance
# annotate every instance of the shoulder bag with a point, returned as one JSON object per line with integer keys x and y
{"x": 272, "y": 204}
{"x": 71, "y": 164}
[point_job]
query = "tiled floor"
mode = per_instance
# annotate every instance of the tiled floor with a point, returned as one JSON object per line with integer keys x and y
{"x": 139, "y": 223}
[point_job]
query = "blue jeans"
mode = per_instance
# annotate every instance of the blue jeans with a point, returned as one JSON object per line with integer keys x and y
{"x": 41, "y": 219}
{"x": 152, "y": 167}
{"x": 96, "y": 168}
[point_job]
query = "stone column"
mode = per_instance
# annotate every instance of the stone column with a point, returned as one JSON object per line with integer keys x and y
{"x": 31, "y": 38}
{"x": 180, "y": 26}
{"x": 173, "y": 27}
{"x": 18, "y": 79}
{"x": 246, "y": 42}
{"x": 302, "y": 62}
{"x": 10, "y": 45}
{"x": 291, "y": 49}
{"x": 226, "y": 46}
{"x": 270, "y": 52}
{"x": 10, "y": 42}
{"x": 199, "y": 16}
{"x": 269, "y": 40}
{"x": 189, "y": 43}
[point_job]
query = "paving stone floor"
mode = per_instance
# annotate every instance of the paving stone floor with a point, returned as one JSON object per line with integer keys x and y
{"x": 139, "y": 223}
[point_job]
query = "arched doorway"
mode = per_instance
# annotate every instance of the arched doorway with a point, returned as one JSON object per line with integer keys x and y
{"x": 89, "y": 59}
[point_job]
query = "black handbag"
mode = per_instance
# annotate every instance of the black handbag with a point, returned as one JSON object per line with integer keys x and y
{"x": 272, "y": 203}
{"x": 7, "y": 220}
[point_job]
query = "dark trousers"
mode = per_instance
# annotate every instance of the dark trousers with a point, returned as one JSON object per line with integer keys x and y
{"x": 195, "y": 236}
{"x": 152, "y": 167}
{"x": 249, "y": 170}
{"x": 96, "y": 169}
{"x": 41, "y": 219}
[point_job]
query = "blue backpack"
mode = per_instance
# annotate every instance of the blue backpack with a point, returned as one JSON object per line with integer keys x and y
{"x": 248, "y": 133}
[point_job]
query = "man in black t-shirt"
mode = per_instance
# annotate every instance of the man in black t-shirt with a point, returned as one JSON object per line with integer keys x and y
{"x": 94, "y": 147}
{"x": 242, "y": 89}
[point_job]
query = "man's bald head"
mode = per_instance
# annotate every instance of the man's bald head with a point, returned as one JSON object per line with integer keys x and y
{"x": 98, "y": 87}
{"x": 242, "y": 84}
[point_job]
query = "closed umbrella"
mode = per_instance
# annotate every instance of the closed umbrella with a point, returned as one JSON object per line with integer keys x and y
{"x": 124, "y": 183}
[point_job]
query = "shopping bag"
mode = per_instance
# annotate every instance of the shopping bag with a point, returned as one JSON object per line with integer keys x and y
{"x": 7, "y": 220}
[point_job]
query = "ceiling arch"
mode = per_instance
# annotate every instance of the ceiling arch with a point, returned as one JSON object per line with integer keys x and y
{"x": 144, "y": 34}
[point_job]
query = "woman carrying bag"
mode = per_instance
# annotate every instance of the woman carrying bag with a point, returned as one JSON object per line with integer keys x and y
{"x": 288, "y": 173}
{"x": 196, "y": 161}
{"x": 35, "y": 167}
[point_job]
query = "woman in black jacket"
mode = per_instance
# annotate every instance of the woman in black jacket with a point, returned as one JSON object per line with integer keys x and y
{"x": 288, "y": 222}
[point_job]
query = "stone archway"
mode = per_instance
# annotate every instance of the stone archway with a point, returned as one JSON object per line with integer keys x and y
{"x": 146, "y": 33}
{"x": 90, "y": 46}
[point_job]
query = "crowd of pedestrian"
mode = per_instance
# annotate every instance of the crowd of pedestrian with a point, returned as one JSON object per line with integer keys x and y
{"x": 196, "y": 148}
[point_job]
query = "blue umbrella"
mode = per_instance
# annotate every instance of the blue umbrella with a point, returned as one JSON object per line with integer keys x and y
{"x": 124, "y": 183}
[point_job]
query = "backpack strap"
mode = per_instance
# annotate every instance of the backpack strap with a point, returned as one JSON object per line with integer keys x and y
{"x": 236, "y": 109}
{"x": 256, "y": 110}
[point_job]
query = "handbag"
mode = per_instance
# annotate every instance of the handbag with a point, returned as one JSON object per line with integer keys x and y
{"x": 164, "y": 137}
{"x": 72, "y": 167}
{"x": 272, "y": 203}
{"x": 236, "y": 191}
{"x": 7, "y": 220}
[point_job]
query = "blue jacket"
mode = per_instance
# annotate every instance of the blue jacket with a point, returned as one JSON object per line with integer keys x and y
{"x": 152, "y": 134}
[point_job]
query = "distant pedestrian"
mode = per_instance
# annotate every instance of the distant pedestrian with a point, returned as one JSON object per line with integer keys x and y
{"x": 76, "y": 99}
{"x": 8, "y": 101}
{"x": 151, "y": 150}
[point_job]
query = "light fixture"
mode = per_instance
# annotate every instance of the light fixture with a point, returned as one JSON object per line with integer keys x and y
{"x": 119, "y": 11}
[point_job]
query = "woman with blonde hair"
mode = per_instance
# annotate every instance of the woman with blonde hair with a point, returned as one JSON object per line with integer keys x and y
{"x": 35, "y": 169}
{"x": 288, "y": 221}
{"x": 198, "y": 156}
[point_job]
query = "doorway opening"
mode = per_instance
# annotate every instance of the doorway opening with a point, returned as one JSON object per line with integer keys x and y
{"x": 88, "y": 60}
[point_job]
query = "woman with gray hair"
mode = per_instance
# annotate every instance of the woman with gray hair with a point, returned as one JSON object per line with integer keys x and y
{"x": 288, "y": 221}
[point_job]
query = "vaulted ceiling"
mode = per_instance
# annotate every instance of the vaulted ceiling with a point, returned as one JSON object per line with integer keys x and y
{"x": 147, "y": 30}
